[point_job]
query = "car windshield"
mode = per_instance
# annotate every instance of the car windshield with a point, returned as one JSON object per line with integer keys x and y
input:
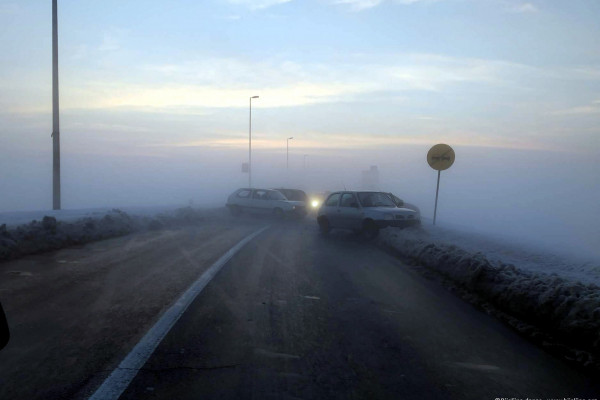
{"x": 375, "y": 199}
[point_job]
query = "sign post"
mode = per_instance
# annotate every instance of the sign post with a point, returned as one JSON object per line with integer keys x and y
{"x": 439, "y": 157}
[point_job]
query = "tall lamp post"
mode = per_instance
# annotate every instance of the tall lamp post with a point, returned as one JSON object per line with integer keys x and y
{"x": 306, "y": 155}
{"x": 250, "y": 144}
{"x": 55, "y": 124}
{"x": 287, "y": 153}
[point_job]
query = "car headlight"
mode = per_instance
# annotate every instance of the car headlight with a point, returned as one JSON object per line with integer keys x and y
{"x": 314, "y": 203}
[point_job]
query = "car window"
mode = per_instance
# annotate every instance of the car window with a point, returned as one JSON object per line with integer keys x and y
{"x": 399, "y": 202}
{"x": 348, "y": 200}
{"x": 375, "y": 199}
{"x": 333, "y": 200}
{"x": 244, "y": 193}
{"x": 275, "y": 195}
{"x": 296, "y": 195}
{"x": 260, "y": 194}
{"x": 292, "y": 194}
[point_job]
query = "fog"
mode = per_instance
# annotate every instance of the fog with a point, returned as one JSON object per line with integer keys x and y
{"x": 547, "y": 198}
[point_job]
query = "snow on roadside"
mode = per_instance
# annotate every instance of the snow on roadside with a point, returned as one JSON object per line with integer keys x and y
{"x": 15, "y": 218}
{"x": 545, "y": 291}
{"x": 79, "y": 227}
{"x": 527, "y": 256}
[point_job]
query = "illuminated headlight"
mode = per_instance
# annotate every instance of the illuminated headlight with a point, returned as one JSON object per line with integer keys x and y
{"x": 388, "y": 216}
{"x": 293, "y": 207}
{"x": 314, "y": 203}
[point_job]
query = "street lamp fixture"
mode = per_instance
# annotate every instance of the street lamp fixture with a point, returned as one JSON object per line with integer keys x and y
{"x": 250, "y": 144}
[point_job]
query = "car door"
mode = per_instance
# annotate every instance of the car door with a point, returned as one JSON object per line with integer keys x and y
{"x": 259, "y": 201}
{"x": 349, "y": 212}
{"x": 275, "y": 200}
{"x": 243, "y": 198}
{"x": 330, "y": 209}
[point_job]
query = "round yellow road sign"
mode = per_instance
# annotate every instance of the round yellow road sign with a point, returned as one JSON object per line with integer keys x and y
{"x": 440, "y": 157}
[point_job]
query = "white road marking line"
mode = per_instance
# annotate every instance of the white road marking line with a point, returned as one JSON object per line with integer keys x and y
{"x": 312, "y": 297}
{"x": 121, "y": 377}
{"x": 273, "y": 354}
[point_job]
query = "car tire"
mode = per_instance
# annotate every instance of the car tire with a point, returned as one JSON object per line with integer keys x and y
{"x": 278, "y": 213}
{"x": 370, "y": 230}
{"x": 235, "y": 210}
{"x": 324, "y": 227}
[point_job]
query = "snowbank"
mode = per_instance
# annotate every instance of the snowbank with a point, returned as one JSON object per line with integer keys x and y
{"x": 48, "y": 233}
{"x": 554, "y": 308}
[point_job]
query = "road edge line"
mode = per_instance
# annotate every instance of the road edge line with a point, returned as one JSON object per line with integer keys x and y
{"x": 118, "y": 381}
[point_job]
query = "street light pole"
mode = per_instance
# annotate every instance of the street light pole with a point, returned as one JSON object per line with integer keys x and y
{"x": 55, "y": 122}
{"x": 250, "y": 144}
{"x": 287, "y": 156}
{"x": 306, "y": 155}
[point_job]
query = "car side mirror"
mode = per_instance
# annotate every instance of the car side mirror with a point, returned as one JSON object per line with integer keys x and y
{"x": 4, "y": 332}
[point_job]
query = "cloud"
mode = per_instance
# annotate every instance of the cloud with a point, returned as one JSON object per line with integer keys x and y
{"x": 313, "y": 141}
{"x": 111, "y": 39}
{"x": 359, "y": 5}
{"x": 592, "y": 108}
{"x": 257, "y": 4}
{"x": 523, "y": 8}
{"x": 227, "y": 82}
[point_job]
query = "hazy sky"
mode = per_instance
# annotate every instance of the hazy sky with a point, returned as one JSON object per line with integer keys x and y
{"x": 154, "y": 99}
{"x": 502, "y": 73}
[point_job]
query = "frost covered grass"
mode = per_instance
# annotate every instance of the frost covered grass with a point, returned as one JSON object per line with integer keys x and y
{"x": 551, "y": 305}
{"x": 50, "y": 233}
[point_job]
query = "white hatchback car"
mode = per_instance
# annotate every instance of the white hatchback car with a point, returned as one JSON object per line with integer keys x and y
{"x": 365, "y": 212}
{"x": 264, "y": 201}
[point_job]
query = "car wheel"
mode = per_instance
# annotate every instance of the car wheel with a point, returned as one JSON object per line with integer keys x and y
{"x": 324, "y": 226}
{"x": 235, "y": 210}
{"x": 370, "y": 230}
{"x": 278, "y": 213}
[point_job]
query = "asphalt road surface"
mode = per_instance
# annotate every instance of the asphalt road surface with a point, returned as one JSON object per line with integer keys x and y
{"x": 291, "y": 316}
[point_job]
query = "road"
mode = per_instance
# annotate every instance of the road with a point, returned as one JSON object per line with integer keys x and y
{"x": 291, "y": 316}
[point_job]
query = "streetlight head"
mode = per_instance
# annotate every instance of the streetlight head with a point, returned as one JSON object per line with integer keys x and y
{"x": 290, "y": 138}
{"x": 254, "y": 97}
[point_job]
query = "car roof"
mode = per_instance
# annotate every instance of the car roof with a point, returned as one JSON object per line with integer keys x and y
{"x": 294, "y": 190}
{"x": 359, "y": 191}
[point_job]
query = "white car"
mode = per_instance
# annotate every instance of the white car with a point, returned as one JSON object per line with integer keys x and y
{"x": 365, "y": 212}
{"x": 264, "y": 201}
